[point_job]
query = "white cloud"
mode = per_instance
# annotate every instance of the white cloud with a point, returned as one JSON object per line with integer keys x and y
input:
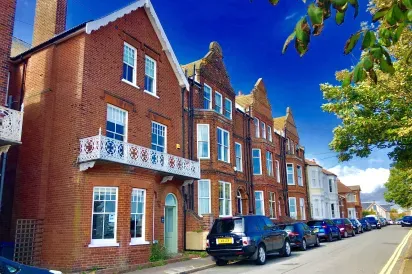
{"x": 368, "y": 179}
{"x": 291, "y": 16}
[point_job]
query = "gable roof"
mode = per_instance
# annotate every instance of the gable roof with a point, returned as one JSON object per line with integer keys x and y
{"x": 366, "y": 205}
{"x": 386, "y": 207}
{"x": 328, "y": 172}
{"x": 279, "y": 123}
{"x": 258, "y": 94}
{"x": 343, "y": 188}
{"x": 94, "y": 25}
{"x": 356, "y": 188}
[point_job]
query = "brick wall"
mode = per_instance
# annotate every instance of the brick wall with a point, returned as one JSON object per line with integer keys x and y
{"x": 6, "y": 32}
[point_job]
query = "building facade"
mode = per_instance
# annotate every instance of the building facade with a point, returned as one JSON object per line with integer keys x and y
{"x": 323, "y": 191}
{"x": 103, "y": 178}
{"x": 296, "y": 185}
{"x": 350, "y": 201}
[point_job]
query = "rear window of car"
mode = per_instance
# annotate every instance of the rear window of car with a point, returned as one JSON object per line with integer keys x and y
{"x": 228, "y": 226}
{"x": 371, "y": 219}
{"x": 313, "y": 223}
{"x": 339, "y": 221}
{"x": 287, "y": 228}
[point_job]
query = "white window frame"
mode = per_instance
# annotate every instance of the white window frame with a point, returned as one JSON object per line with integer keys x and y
{"x": 302, "y": 208}
{"x": 270, "y": 134}
{"x": 199, "y": 197}
{"x": 293, "y": 174}
{"x": 239, "y": 197}
{"x": 154, "y": 93}
{"x": 260, "y": 200}
{"x": 223, "y": 146}
{"x": 313, "y": 178}
{"x": 263, "y": 127}
{"x": 260, "y": 161}
{"x": 272, "y": 205}
{"x": 225, "y": 184}
{"x": 140, "y": 240}
{"x": 277, "y": 171}
{"x": 126, "y": 117}
{"x": 231, "y": 108}
{"x": 151, "y": 132}
{"x": 257, "y": 127}
{"x": 333, "y": 210}
{"x": 269, "y": 163}
{"x": 133, "y": 83}
{"x": 198, "y": 140}
{"x": 104, "y": 242}
{"x": 300, "y": 178}
{"x": 295, "y": 213}
{"x": 330, "y": 185}
{"x": 288, "y": 145}
{"x": 240, "y": 157}
{"x": 211, "y": 96}
{"x": 221, "y": 102}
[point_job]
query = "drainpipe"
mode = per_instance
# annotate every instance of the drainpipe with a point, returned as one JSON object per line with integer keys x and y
{"x": 285, "y": 184}
{"x": 307, "y": 187}
{"x": 153, "y": 219}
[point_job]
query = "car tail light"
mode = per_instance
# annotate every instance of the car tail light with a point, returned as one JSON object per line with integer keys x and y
{"x": 293, "y": 234}
{"x": 207, "y": 243}
{"x": 246, "y": 241}
{"x": 324, "y": 226}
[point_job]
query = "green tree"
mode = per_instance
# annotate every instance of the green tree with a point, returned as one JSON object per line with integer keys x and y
{"x": 391, "y": 16}
{"x": 368, "y": 212}
{"x": 399, "y": 187}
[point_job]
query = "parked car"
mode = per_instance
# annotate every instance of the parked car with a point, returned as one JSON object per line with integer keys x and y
{"x": 374, "y": 221}
{"x": 326, "y": 229}
{"x": 366, "y": 226}
{"x": 345, "y": 227}
{"x": 406, "y": 221}
{"x": 246, "y": 238}
{"x": 357, "y": 226}
{"x": 398, "y": 221}
{"x": 390, "y": 222}
{"x": 8, "y": 267}
{"x": 383, "y": 221}
{"x": 301, "y": 235}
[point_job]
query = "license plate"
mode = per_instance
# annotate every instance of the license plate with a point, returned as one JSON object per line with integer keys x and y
{"x": 316, "y": 230}
{"x": 224, "y": 241}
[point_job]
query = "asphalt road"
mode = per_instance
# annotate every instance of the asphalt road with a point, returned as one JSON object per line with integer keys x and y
{"x": 364, "y": 253}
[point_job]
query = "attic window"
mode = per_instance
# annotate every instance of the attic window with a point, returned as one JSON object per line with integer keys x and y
{"x": 129, "y": 63}
{"x": 150, "y": 75}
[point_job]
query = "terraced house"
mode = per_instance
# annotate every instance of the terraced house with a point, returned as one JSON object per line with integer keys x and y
{"x": 102, "y": 164}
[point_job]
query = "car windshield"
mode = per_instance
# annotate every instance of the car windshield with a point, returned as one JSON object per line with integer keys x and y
{"x": 287, "y": 228}
{"x": 315, "y": 223}
{"x": 222, "y": 226}
{"x": 339, "y": 221}
{"x": 371, "y": 219}
{"x": 353, "y": 221}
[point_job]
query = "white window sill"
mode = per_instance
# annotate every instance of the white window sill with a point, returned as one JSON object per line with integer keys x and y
{"x": 223, "y": 161}
{"x": 104, "y": 245}
{"x": 204, "y": 158}
{"x": 130, "y": 83}
{"x": 150, "y": 93}
{"x": 139, "y": 242}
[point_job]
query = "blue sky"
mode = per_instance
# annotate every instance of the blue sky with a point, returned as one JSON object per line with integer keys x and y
{"x": 252, "y": 36}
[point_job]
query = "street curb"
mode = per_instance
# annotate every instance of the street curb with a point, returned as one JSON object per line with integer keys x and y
{"x": 197, "y": 269}
{"x": 405, "y": 259}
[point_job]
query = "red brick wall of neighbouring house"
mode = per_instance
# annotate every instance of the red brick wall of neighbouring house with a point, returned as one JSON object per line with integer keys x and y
{"x": 6, "y": 32}
{"x": 68, "y": 87}
{"x": 50, "y": 20}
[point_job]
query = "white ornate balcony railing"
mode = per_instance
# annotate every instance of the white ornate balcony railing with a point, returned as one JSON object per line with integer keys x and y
{"x": 11, "y": 122}
{"x": 103, "y": 148}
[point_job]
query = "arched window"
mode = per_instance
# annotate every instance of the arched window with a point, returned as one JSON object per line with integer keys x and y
{"x": 170, "y": 200}
{"x": 239, "y": 202}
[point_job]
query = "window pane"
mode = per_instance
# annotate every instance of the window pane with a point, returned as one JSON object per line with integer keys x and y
{"x": 110, "y": 206}
{"x": 98, "y": 206}
{"x": 109, "y": 226}
{"x": 97, "y": 227}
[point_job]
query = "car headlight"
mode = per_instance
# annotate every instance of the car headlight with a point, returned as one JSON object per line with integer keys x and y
{"x": 341, "y": 229}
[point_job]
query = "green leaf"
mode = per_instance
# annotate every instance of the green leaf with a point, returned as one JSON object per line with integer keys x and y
{"x": 340, "y": 17}
{"x": 287, "y": 42}
{"x": 407, "y": 3}
{"x": 379, "y": 14}
{"x": 351, "y": 42}
{"x": 398, "y": 33}
{"x": 386, "y": 66}
{"x": 301, "y": 47}
{"x": 355, "y": 5}
{"x": 274, "y": 2}
{"x": 359, "y": 74}
{"x": 390, "y": 16}
{"x": 372, "y": 75}
{"x": 398, "y": 13}
{"x": 302, "y": 30}
{"x": 339, "y": 3}
{"x": 316, "y": 18}
{"x": 325, "y": 6}
{"x": 367, "y": 63}
{"x": 376, "y": 52}
{"x": 346, "y": 81}
{"x": 409, "y": 15}
{"x": 368, "y": 40}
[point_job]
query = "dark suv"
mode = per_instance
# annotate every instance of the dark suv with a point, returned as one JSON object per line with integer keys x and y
{"x": 406, "y": 221}
{"x": 246, "y": 238}
{"x": 301, "y": 235}
{"x": 326, "y": 229}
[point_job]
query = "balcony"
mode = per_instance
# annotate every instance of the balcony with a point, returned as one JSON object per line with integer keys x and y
{"x": 11, "y": 122}
{"x": 102, "y": 148}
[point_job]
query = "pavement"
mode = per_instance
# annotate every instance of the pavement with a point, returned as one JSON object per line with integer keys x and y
{"x": 385, "y": 251}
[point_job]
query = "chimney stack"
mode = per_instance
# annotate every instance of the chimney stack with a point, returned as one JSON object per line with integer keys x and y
{"x": 50, "y": 20}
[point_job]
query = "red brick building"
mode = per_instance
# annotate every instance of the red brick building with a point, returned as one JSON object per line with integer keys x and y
{"x": 350, "y": 201}
{"x": 103, "y": 163}
{"x": 298, "y": 206}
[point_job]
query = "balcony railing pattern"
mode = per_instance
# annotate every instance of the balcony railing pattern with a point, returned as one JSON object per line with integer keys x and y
{"x": 11, "y": 122}
{"x": 103, "y": 148}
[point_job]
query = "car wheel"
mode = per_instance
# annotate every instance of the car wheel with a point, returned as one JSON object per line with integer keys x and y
{"x": 261, "y": 256}
{"x": 304, "y": 246}
{"x": 220, "y": 262}
{"x": 353, "y": 233}
{"x": 317, "y": 243}
{"x": 330, "y": 237}
{"x": 345, "y": 234}
{"x": 286, "y": 249}
{"x": 339, "y": 237}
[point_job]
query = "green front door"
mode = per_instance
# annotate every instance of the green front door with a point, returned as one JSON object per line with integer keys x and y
{"x": 171, "y": 224}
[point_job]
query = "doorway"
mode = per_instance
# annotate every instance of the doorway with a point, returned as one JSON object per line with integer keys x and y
{"x": 171, "y": 223}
